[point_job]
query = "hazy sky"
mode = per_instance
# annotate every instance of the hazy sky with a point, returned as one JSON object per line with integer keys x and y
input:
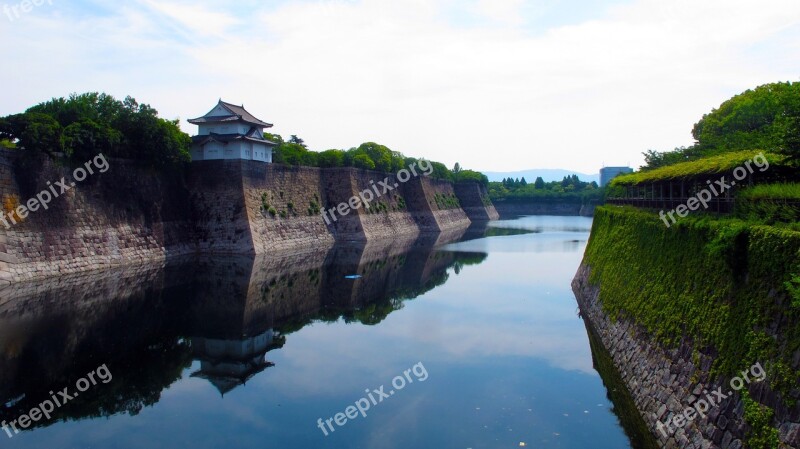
{"x": 492, "y": 84}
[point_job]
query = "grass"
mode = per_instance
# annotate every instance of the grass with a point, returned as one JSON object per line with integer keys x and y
{"x": 708, "y": 166}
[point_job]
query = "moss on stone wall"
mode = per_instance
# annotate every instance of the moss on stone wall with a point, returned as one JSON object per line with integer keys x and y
{"x": 720, "y": 282}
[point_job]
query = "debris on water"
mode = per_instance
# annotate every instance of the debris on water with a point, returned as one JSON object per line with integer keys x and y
{"x": 15, "y": 401}
{"x": 353, "y": 276}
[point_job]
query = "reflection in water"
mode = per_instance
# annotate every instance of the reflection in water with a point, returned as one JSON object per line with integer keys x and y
{"x": 149, "y": 323}
{"x": 235, "y": 351}
{"x": 230, "y": 363}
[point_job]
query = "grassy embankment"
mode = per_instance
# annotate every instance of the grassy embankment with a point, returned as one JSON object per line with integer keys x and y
{"x": 728, "y": 285}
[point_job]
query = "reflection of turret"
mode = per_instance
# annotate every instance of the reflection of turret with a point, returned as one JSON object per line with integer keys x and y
{"x": 230, "y": 363}
{"x": 237, "y": 308}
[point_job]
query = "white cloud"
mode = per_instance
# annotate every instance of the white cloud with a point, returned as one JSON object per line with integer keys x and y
{"x": 493, "y": 96}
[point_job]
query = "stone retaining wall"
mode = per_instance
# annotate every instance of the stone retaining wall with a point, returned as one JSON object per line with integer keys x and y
{"x": 133, "y": 214}
{"x": 663, "y": 383}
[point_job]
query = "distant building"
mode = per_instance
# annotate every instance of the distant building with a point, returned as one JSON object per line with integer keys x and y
{"x": 609, "y": 173}
{"x": 230, "y": 132}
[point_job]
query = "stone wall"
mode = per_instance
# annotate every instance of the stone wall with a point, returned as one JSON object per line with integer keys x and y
{"x": 132, "y": 214}
{"x": 295, "y": 195}
{"x": 387, "y": 216}
{"x": 125, "y": 215}
{"x": 663, "y": 383}
{"x": 475, "y": 201}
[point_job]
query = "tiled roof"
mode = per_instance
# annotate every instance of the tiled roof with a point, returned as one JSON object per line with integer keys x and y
{"x": 237, "y": 113}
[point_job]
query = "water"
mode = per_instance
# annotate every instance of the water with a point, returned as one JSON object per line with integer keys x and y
{"x": 260, "y": 353}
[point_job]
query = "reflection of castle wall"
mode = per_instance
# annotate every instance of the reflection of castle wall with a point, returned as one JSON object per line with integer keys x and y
{"x": 77, "y": 322}
{"x": 245, "y": 296}
{"x": 60, "y": 329}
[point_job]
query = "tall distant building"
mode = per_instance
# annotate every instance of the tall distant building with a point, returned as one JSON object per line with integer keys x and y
{"x": 609, "y": 173}
{"x": 230, "y": 132}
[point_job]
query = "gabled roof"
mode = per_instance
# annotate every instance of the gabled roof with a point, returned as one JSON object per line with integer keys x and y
{"x": 234, "y": 114}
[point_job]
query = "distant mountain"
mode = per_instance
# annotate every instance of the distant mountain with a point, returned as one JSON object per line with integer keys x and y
{"x": 548, "y": 174}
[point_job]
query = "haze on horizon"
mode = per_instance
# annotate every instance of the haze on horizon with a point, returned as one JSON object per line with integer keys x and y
{"x": 497, "y": 85}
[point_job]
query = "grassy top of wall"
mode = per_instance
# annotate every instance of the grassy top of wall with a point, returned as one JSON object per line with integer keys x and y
{"x": 707, "y": 166}
{"x": 728, "y": 285}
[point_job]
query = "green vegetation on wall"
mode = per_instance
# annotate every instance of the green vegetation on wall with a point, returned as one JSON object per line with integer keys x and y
{"x": 714, "y": 165}
{"x": 774, "y": 204}
{"x": 722, "y": 283}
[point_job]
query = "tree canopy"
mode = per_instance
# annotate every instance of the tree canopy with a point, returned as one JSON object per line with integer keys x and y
{"x": 765, "y": 118}
{"x": 85, "y": 125}
{"x": 368, "y": 155}
{"x": 569, "y": 189}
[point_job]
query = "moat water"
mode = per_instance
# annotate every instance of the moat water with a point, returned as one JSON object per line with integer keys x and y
{"x": 466, "y": 340}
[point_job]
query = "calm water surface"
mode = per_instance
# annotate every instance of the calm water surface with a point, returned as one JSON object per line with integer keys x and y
{"x": 246, "y": 353}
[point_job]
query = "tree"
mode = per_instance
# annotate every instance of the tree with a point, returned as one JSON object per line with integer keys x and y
{"x": 33, "y": 131}
{"x": 457, "y": 168}
{"x": 363, "y": 161}
{"x": 523, "y": 182}
{"x": 94, "y": 122}
{"x": 790, "y": 125}
{"x": 274, "y": 138}
{"x": 380, "y": 155}
{"x": 331, "y": 158}
{"x": 470, "y": 176}
{"x": 757, "y": 119}
{"x": 539, "y": 183}
{"x": 297, "y": 141}
{"x": 85, "y": 139}
{"x": 291, "y": 154}
{"x": 440, "y": 171}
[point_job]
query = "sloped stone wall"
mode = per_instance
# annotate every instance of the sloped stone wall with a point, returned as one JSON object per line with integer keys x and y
{"x": 664, "y": 383}
{"x": 132, "y": 214}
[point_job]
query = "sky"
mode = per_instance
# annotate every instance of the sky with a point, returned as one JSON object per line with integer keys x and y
{"x": 496, "y": 85}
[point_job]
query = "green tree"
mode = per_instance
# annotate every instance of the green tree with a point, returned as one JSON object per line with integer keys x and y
{"x": 331, "y": 158}
{"x": 85, "y": 139}
{"x": 539, "y": 183}
{"x": 291, "y": 154}
{"x": 440, "y": 171}
{"x": 95, "y": 122}
{"x": 764, "y": 118}
{"x": 33, "y": 132}
{"x": 363, "y": 161}
{"x": 470, "y": 176}
{"x": 297, "y": 141}
{"x": 274, "y": 138}
{"x": 789, "y": 122}
{"x": 380, "y": 155}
